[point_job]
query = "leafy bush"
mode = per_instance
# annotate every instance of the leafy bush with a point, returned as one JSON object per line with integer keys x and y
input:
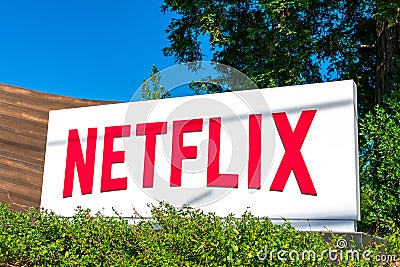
{"x": 380, "y": 164}
{"x": 185, "y": 237}
{"x": 380, "y": 169}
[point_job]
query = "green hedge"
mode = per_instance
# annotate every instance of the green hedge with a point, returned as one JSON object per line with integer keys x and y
{"x": 185, "y": 237}
{"x": 380, "y": 169}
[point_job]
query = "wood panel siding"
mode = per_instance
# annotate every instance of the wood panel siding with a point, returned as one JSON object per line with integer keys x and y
{"x": 23, "y": 129}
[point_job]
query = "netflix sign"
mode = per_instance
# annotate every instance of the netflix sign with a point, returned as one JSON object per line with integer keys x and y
{"x": 283, "y": 153}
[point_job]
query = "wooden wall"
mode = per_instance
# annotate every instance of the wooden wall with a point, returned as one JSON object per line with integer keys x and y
{"x": 23, "y": 130}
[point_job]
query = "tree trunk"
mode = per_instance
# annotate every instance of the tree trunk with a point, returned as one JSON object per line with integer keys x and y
{"x": 387, "y": 51}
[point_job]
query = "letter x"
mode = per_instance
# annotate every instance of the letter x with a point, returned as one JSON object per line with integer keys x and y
{"x": 293, "y": 159}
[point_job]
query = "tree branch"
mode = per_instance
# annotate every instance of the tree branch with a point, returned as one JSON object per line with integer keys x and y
{"x": 355, "y": 46}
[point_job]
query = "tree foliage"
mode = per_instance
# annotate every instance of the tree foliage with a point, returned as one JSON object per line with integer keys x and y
{"x": 151, "y": 87}
{"x": 380, "y": 169}
{"x": 380, "y": 165}
{"x": 287, "y": 42}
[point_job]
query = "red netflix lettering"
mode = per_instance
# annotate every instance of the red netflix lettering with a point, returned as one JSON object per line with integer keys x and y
{"x": 293, "y": 159}
{"x": 150, "y": 130}
{"x": 254, "y": 163}
{"x": 180, "y": 152}
{"x": 214, "y": 178}
{"x": 75, "y": 158}
{"x": 110, "y": 157}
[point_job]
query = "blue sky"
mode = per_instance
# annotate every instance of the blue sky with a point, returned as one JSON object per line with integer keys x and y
{"x": 94, "y": 49}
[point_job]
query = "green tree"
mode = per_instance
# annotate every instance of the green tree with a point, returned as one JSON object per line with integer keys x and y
{"x": 380, "y": 164}
{"x": 151, "y": 88}
{"x": 380, "y": 169}
{"x": 287, "y": 42}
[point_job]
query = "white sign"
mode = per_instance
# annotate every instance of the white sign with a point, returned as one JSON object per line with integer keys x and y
{"x": 286, "y": 152}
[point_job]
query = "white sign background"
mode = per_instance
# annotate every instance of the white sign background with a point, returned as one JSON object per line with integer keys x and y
{"x": 330, "y": 151}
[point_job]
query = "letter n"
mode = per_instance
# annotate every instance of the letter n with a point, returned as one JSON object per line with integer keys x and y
{"x": 75, "y": 158}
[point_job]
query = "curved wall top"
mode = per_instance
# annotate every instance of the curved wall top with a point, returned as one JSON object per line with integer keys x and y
{"x": 23, "y": 130}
